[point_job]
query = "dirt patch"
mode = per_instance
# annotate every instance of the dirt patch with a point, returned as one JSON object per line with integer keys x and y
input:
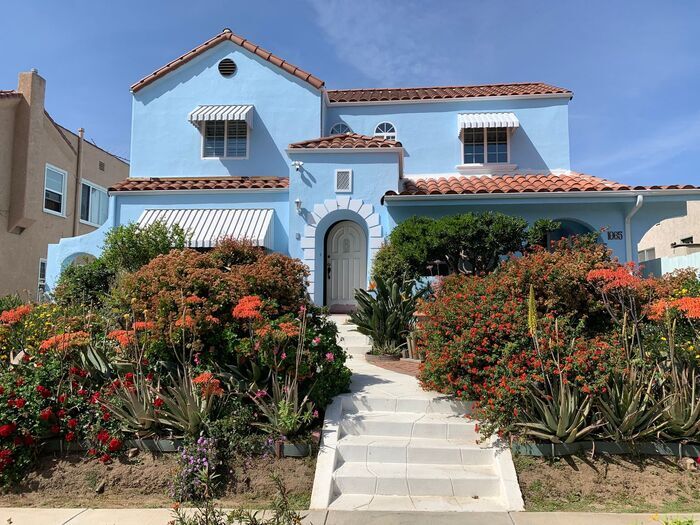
{"x": 144, "y": 481}
{"x": 607, "y": 484}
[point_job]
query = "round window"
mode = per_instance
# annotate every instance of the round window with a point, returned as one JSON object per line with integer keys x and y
{"x": 227, "y": 67}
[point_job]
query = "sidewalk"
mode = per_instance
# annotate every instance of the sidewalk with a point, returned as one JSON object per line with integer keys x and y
{"x": 47, "y": 516}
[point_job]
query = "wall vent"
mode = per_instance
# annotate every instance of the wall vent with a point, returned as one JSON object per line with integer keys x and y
{"x": 101, "y": 165}
{"x": 343, "y": 181}
{"x": 227, "y": 67}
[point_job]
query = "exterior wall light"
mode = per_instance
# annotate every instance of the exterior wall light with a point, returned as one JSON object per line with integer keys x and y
{"x": 297, "y": 203}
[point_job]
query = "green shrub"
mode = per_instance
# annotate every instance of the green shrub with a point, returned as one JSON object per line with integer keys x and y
{"x": 129, "y": 246}
{"x": 84, "y": 283}
{"x": 389, "y": 265}
{"x": 8, "y": 302}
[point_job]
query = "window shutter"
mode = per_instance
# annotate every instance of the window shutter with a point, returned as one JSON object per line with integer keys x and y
{"x": 343, "y": 180}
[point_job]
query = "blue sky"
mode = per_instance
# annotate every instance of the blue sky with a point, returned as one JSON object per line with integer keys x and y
{"x": 634, "y": 66}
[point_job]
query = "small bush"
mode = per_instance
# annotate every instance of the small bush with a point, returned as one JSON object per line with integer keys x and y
{"x": 129, "y": 246}
{"x": 85, "y": 284}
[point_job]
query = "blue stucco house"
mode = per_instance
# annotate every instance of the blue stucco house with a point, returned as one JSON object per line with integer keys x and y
{"x": 229, "y": 139}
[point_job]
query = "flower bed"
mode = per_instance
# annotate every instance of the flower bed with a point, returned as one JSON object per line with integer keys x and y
{"x": 568, "y": 345}
{"x": 220, "y": 345}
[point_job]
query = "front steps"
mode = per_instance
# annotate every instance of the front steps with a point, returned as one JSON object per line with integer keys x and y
{"x": 388, "y": 445}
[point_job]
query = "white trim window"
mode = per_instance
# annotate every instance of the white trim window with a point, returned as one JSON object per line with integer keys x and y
{"x": 225, "y": 139}
{"x": 93, "y": 204}
{"x": 41, "y": 284}
{"x": 55, "y": 190}
{"x": 340, "y": 128}
{"x": 343, "y": 181}
{"x": 485, "y": 146}
{"x": 385, "y": 130}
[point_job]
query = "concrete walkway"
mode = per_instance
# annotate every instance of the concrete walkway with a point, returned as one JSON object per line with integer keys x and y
{"x": 38, "y": 516}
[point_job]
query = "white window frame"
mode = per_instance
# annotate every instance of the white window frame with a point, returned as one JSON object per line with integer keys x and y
{"x": 247, "y": 141}
{"x": 41, "y": 282}
{"x": 80, "y": 208}
{"x": 335, "y": 180}
{"x": 64, "y": 191}
{"x": 486, "y": 149}
{"x": 386, "y": 135}
{"x": 340, "y": 132}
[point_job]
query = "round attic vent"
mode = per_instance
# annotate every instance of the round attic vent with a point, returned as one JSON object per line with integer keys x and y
{"x": 227, "y": 67}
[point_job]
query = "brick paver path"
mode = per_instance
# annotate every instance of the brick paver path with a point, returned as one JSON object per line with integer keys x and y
{"x": 402, "y": 366}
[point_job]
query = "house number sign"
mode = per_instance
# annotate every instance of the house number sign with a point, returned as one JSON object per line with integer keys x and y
{"x": 615, "y": 236}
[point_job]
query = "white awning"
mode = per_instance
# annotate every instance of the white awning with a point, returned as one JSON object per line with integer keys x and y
{"x": 487, "y": 120}
{"x": 206, "y": 227}
{"x": 218, "y": 112}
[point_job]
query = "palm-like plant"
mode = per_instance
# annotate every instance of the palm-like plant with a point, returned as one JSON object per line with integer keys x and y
{"x": 133, "y": 406}
{"x": 558, "y": 413}
{"x": 386, "y": 313}
{"x": 185, "y": 407}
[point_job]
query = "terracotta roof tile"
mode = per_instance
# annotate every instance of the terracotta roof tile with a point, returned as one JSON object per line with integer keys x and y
{"x": 347, "y": 141}
{"x": 226, "y": 34}
{"x": 201, "y": 183}
{"x": 518, "y": 183}
{"x": 444, "y": 92}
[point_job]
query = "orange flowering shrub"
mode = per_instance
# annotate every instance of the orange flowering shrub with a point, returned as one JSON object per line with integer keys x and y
{"x": 14, "y": 316}
{"x": 65, "y": 342}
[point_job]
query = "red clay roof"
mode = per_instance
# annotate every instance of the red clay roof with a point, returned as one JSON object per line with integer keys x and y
{"x": 444, "y": 92}
{"x": 346, "y": 140}
{"x": 518, "y": 183}
{"x": 226, "y": 34}
{"x": 201, "y": 183}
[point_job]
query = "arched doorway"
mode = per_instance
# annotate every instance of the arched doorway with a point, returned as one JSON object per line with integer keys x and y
{"x": 345, "y": 265}
{"x": 569, "y": 228}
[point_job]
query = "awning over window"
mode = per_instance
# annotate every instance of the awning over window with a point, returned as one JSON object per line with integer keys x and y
{"x": 207, "y": 227}
{"x": 487, "y": 120}
{"x": 218, "y": 112}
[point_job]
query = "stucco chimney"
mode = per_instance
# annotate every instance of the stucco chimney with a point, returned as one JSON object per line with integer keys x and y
{"x": 25, "y": 201}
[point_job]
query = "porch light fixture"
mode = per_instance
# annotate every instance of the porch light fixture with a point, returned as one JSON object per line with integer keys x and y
{"x": 297, "y": 203}
{"x": 297, "y": 164}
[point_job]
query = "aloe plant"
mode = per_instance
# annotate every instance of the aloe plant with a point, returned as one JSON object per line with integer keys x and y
{"x": 682, "y": 406}
{"x": 386, "y": 313}
{"x": 558, "y": 412}
{"x": 630, "y": 408}
{"x": 132, "y": 405}
{"x": 184, "y": 408}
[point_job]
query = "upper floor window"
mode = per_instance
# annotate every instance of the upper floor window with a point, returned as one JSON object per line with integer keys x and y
{"x": 385, "y": 130}
{"x": 93, "y": 204}
{"x": 54, "y": 190}
{"x": 340, "y": 128}
{"x": 485, "y": 145}
{"x": 225, "y": 139}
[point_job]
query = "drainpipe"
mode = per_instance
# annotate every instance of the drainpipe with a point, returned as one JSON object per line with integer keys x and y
{"x": 628, "y": 226}
{"x": 78, "y": 180}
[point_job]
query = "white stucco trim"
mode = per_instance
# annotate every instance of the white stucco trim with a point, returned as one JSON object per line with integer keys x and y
{"x": 187, "y": 192}
{"x": 365, "y": 213}
{"x": 611, "y": 195}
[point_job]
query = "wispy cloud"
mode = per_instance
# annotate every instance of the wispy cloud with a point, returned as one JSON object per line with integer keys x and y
{"x": 674, "y": 138}
{"x": 386, "y": 41}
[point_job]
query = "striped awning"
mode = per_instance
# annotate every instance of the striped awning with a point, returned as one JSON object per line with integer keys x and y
{"x": 218, "y": 112}
{"x": 487, "y": 120}
{"x": 206, "y": 227}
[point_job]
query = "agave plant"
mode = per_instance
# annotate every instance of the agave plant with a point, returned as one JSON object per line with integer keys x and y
{"x": 386, "y": 313}
{"x": 631, "y": 410}
{"x": 682, "y": 406}
{"x": 558, "y": 413}
{"x": 133, "y": 406}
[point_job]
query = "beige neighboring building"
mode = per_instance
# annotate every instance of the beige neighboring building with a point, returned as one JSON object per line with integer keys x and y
{"x": 672, "y": 237}
{"x": 41, "y": 201}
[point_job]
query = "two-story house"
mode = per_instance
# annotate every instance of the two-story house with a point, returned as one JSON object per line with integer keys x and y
{"x": 53, "y": 184}
{"x": 229, "y": 139}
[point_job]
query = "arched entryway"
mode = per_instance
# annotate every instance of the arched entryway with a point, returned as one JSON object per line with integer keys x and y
{"x": 345, "y": 267}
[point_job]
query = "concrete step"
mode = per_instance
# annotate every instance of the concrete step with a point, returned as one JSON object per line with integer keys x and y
{"x": 393, "y": 479}
{"x": 417, "y": 503}
{"x": 406, "y": 424}
{"x": 427, "y": 404}
{"x": 352, "y": 339}
{"x": 412, "y": 450}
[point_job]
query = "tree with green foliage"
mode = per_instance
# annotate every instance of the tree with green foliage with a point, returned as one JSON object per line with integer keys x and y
{"x": 539, "y": 232}
{"x": 84, "y": 283}
{"x": 130, "y": 246}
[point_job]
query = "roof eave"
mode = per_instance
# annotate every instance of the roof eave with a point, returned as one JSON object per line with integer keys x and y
{"x": 396, "y": 149}
{"x": 611, "y": 194}
{"x": 197, "y": 191}
{"x": 569, "y": 96}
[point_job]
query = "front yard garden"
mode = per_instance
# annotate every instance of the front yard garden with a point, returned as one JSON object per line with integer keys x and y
{"x": 218, "y": 356}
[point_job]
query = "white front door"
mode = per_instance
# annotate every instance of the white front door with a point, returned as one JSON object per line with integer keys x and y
{"x": 346, "y": 265}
